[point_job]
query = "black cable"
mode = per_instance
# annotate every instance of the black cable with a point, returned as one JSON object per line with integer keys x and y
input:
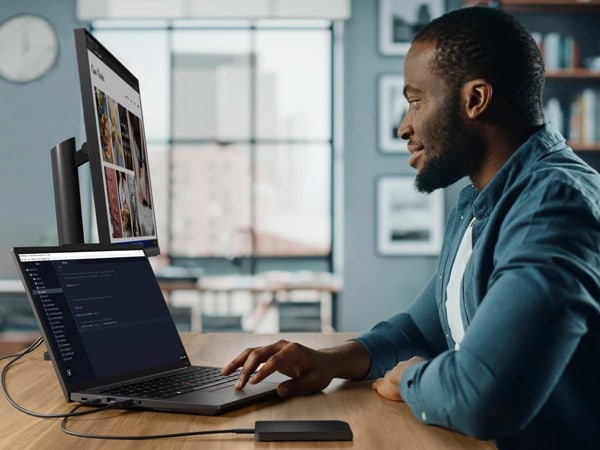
{"x": 9, "y": 399}
{"x": 63, "y": 427}
{"x": 35, "y": 344}
{"x": 73, "y": 412}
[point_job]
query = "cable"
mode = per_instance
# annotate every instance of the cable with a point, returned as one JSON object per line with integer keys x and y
{"x": 74, "y": 413}
{"x": 35, "y": 344}
{"x": 10, "y": 400}
{"x": 63, "y": 427}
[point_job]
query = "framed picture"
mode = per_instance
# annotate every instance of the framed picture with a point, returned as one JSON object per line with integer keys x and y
{"x": 392, "y": 108}
{"x": 408, "y": 222}
{"x": 399, "y": 21}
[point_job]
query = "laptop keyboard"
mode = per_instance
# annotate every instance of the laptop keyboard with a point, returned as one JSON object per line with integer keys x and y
{"x": 193, "y": 379}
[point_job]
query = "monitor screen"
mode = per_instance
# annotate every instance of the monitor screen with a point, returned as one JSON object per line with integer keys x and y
{"x": 116, "y": 147}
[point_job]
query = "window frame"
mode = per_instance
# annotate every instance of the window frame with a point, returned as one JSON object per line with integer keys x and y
{"x": 252, "y": 263}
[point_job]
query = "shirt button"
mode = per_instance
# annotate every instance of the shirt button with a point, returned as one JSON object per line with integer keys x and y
{"x": 423, "y": 416}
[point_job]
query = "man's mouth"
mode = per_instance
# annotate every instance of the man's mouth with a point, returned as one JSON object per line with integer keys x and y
{"x": 416, "y": 152}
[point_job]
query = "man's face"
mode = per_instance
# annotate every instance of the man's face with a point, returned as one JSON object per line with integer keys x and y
{"x": 443, "y": 145}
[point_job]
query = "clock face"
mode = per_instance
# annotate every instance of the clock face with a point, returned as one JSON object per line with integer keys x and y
{"x": 28, "y": 48}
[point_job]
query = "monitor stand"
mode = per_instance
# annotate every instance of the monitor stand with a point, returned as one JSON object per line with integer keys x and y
{"x": 67, "y": 202}
{"x": 65, "y": 160}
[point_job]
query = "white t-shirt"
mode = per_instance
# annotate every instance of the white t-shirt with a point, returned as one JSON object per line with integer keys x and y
{"x": 453, "y": 290}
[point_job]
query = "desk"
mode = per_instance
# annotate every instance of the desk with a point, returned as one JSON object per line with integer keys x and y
{"x": 13, "y": 302}
{"x": 278, "y": 285}
{"x": 11, "y": 286}
{"x": 377, "y": 423}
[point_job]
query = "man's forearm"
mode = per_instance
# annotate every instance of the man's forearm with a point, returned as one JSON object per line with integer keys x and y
{"x": 351, "y": 359}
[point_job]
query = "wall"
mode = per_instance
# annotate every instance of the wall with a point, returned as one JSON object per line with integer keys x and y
{"x": 33, "y": 118}
{"x": 375, "y": 286}
{"x": 36, "y": 116}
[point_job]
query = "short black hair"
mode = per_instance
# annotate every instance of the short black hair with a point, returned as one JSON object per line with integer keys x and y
{"x": 484, "y": 42}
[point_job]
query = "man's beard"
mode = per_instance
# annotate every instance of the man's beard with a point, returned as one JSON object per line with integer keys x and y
{"x": 455, "y": 149}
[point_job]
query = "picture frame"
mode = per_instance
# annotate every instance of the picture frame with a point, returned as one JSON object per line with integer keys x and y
{"x": 400, "y": 20}
{"x": 392, "y": 108}
{"x": 408, "y": 222}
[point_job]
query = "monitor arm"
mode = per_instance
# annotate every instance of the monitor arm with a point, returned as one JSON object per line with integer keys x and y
{"x": 67, "y": 202}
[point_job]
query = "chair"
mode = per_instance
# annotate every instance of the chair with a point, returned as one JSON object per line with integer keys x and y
{"x": 221, "y": 323}
{"x": 299, "y": 316}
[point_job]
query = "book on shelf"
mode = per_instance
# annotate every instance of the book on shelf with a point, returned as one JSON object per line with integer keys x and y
{"x": 554, "y": 113}
{"x": 584, "y": 116}
{"x": 559, "y": 51}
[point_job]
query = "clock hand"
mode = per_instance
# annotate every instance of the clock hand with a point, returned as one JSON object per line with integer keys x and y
{"x": 25, "y": 38}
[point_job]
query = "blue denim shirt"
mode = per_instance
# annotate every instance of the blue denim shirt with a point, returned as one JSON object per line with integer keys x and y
{"x": 528, "y": 370}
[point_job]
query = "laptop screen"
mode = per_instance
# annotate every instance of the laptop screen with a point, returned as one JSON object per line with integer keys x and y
{"x": 102, "y": 312}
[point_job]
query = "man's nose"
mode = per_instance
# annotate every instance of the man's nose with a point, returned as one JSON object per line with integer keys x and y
{"x": 405, "y": 128}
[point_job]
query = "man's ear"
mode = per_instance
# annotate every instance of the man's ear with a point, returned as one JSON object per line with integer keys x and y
{"x": 477, "y": 95}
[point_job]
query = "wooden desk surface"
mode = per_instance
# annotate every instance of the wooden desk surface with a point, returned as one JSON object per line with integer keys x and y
{"x": 376, "y": 422}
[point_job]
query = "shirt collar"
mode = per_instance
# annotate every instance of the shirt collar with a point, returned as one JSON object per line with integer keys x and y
{"x": 541, "y": 143}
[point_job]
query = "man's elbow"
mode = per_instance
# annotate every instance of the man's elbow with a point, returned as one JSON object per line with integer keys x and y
{"x": 489, "y": 422}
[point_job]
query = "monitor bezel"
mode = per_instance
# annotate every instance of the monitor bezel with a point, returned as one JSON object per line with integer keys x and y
{"x": 85, "y": 41}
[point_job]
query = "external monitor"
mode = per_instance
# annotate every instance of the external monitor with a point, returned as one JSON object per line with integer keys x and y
{"x": 116, "y": 147}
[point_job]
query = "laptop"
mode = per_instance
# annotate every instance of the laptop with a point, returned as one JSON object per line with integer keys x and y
{"x": 111, "y": 337}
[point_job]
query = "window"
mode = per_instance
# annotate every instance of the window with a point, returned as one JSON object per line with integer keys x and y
{"x": 239, "y": 128}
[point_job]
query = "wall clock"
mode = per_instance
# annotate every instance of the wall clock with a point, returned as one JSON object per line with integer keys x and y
{"x": 28, "y": 48}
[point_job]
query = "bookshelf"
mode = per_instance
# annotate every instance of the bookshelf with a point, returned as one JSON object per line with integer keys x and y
{"x": 576, "y": 73}
{"x": 548, "y": 5}
{"x": 569, "y": 37}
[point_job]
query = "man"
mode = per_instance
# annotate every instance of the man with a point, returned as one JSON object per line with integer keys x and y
{"x": 504, "y": 341}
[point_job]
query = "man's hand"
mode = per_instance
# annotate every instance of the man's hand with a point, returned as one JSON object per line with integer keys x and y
{"x": 389, "y": 386}
{"x": 310, "y": 370}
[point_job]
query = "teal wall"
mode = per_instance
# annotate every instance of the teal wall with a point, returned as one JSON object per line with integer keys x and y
{"x": 33, "y": 118}
{"x": 36, "y": 116}
{"x": 375, "y": 286}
